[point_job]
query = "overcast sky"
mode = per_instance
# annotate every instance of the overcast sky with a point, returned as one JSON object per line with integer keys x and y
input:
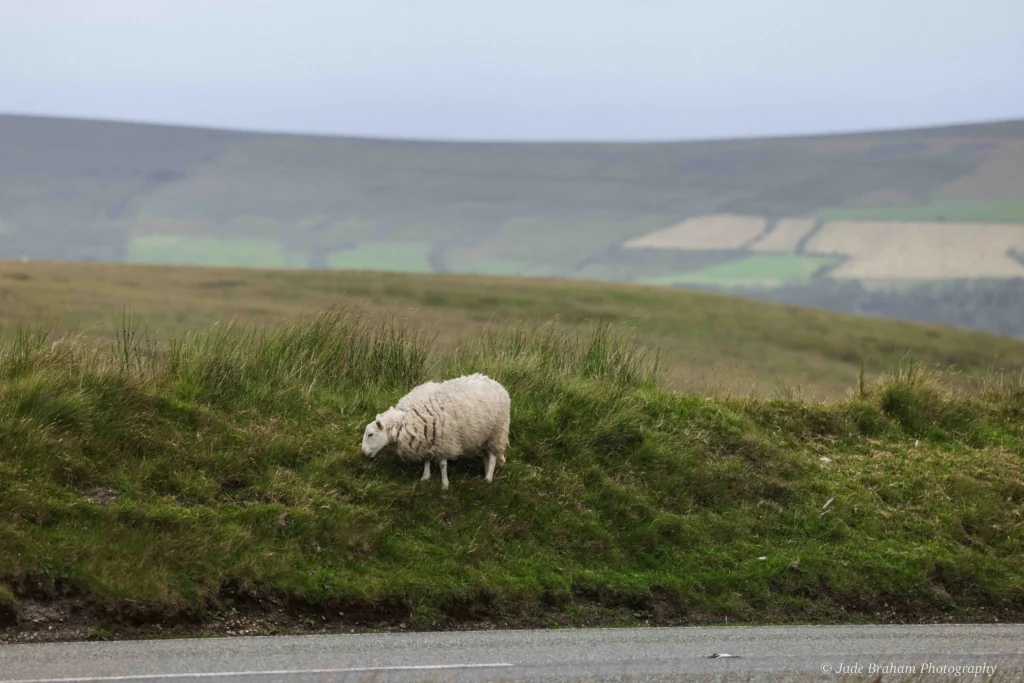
{"x": 517, "y": 69}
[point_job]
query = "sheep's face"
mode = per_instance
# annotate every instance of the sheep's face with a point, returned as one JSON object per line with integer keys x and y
{"x": 375, "y": 437}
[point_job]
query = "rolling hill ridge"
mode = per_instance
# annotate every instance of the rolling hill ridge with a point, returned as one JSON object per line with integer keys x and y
{"x": 925, "y": 225}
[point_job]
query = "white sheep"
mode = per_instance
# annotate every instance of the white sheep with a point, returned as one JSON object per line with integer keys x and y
{"x": 444, "y": 421}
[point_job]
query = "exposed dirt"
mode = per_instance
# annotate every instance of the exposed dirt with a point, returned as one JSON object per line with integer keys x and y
{"x": 69, "y": 619}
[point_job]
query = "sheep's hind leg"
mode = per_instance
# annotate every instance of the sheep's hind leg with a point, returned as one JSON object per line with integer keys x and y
{"x": 491, "y": 460}
{"x": 426, "y": 470}
{"x": 444, "y": 474}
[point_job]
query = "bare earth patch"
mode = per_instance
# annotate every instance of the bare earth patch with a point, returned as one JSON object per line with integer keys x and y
{"x": 713, "y": 231}
{"x": 921, "y": 251}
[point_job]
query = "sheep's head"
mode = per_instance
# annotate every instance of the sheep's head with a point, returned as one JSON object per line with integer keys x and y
{"x": 377, "y": 434}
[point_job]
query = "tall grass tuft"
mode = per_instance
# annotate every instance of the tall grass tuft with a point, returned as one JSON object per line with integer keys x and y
{"x": 330, "y": 350}
{"x": 528, "y": 352}
{"x": 22, "y": 348}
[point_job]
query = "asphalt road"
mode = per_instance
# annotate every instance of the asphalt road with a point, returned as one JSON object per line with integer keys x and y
{"x": 640, "y": 654}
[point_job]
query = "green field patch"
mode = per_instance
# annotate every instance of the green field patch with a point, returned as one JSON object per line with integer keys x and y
{"x": 406, "y": 257}
{"x": 492, "y": 265}
{"x": 764, "y": 270}
{"x": 956, "y": 212}
{"x": 201, "y": 250}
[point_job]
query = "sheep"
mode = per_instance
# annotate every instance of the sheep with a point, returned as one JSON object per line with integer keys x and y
{"x": 464, "y": 416}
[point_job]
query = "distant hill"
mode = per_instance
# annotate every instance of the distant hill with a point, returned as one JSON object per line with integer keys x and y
{"x": 924, "y": 224}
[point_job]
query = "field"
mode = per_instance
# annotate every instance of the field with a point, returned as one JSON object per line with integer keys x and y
{"x": 954, "y": 212}
{"x": 763, "y": 270}
{"x": 475, "y": 263}
{"x": 704, "y": 233}
{"x": 921, "y": 251}
{"x": 209, "y": 251}
{"x": 539, "y": 246}
{"x": 214, "y": 483}
{"x": 785, "y": 237}
{"x": 709, "y": 344}
{"x": 409, "y": 257}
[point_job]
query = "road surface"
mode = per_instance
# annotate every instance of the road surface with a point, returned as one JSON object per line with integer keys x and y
{"x": 638, "y": 654}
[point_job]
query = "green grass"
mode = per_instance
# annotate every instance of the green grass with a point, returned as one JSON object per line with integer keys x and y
{"x": 409, "y": 257}
{"x": 559, "y": 243}
{"x": 229, "y": 470}
{"x": 210, "y": 251}
{"x": 762, "y": 270}
{"x": 484, "y": 265}
{"x": 964, "y": 212}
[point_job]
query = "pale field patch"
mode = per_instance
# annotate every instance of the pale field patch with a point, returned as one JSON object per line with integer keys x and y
{"x": 703, "y": 233}
{"x": 785, "y": 236}
{"x": 921, "y": 251}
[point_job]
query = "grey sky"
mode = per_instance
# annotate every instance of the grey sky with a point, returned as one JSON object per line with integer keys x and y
{"x": 517, "y": 69}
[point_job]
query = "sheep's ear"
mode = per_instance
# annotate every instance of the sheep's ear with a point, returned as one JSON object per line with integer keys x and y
{"x": 379, "y": 424}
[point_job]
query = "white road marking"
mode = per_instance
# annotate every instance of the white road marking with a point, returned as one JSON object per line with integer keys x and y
{"x": 283, "y": 672}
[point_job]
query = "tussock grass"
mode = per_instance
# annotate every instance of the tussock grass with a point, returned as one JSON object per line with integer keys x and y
{"x": 221, "y": 468}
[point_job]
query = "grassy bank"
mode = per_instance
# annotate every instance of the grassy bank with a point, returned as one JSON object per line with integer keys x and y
{"x": 152, "y": 483}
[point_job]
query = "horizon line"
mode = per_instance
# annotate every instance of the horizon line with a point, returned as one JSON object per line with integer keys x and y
{"x": 507, "y": 142}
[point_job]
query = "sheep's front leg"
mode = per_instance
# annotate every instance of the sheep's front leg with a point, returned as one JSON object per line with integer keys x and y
{"x": 491, "y": 460}
{"x": 426, "y": 470}
{"x": 444, "y": 474}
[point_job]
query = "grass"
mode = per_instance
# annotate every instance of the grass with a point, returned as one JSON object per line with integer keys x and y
{"x": 410, "y": 257}
{"x": 488, "y": 265}
{"x": 962, "y": 212}
{"x": 154, "y": 481}
{"x": 210, "y": 251}
{"x": 559, "y": 243}
{"x": 753, "y": 271}
{"x": 712, "y": 344}
{"x": 542, "y": 247}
